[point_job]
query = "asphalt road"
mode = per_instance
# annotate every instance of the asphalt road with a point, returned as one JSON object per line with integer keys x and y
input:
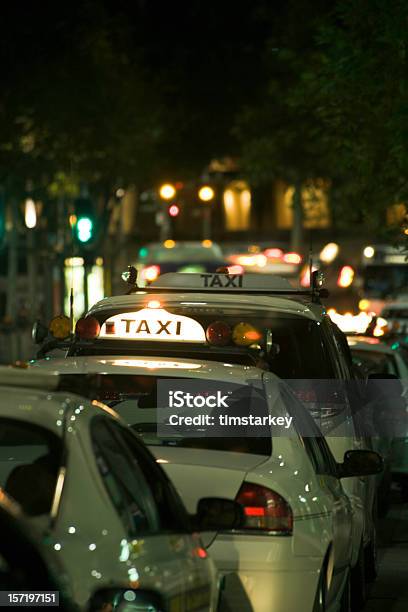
{"x": 389, "y": 593}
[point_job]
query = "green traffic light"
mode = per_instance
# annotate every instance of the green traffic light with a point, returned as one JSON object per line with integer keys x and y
{"x": 84, "y": 229}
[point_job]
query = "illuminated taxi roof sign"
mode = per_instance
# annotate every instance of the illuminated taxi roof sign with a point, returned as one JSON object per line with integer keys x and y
{"x": 225, "y": 282}
{"x": 152, "y": 324}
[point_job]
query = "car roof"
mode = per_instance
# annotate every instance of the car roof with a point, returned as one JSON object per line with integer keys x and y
{"x": 24, "y": 378}
{"x": 367, "y": 343}
{"x": 37, "y": 406}
{"x": 153, "y": 366}
{"x": 32, "y": 396}
{"x": 281, "y": 305}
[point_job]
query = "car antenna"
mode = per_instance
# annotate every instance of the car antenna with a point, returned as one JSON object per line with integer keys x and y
{"x": 72, "y": 220}
{"x": 130, "y": 277}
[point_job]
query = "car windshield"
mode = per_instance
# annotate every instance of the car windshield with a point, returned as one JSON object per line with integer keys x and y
{"x": 180, "y": 253}
{"x": 142, "y": 400}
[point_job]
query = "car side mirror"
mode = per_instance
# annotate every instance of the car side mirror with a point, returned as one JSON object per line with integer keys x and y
{"x": 39, "y": 332}
{"x": 125, "y": 599}
{"x": 218, "y": 514}
{"x": 360, "y": 463}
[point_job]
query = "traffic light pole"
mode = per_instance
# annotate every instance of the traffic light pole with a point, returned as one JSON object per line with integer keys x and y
{"x": 165, "y": 227}
{"x": 32, "y": 272}
{"x": 206, "y": 221}
{"x": 12, "y": 269}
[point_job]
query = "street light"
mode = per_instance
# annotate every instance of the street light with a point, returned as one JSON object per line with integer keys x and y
{"x": 30, "y": 213}
{"x": 206, "y": 193}
{"x": 167, "y": 191}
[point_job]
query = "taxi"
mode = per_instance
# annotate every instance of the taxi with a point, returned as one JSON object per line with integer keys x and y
{"x": 249, "y": 320}
{"x": 295, "y": 549}
{"x": 158, "y": 258}
{"x": 100, "y": 499}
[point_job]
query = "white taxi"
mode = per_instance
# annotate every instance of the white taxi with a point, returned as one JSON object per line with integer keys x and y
{"x": 252, "y": 320}
{"x": 99, "y": 497}
{"x": 294, "y": 551}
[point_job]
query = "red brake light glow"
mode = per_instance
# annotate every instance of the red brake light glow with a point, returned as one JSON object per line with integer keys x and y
{"x": 87, "y": 328}
{"x": 235, "y": 269}
{"x": 150, "y": 273}
{"x": 264, "y": 509}
{"x": 201, "y": 553}
{"x": 273, "y": 253}
{"x": 248, "y": 511}
{"x": 174, "y": 210}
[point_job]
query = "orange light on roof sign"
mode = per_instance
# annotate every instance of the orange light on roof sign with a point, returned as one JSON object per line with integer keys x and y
{"x": 154, "y": 304}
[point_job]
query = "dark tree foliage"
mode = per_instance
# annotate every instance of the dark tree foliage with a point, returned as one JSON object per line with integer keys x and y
{"x": 108, "y": 92}
{"x": 74, "y": 98}
{"x": 280, "y": 132}
{"x": 111, "y": 91}
{"x": 359, "y": 89}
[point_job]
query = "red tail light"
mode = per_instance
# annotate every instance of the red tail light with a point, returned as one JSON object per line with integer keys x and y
{"x": 87, "y": 328}
{"x": 273, "y": 253}
{"x": 235, "y": 269}
{"x": 264, "y": 509}
{"x": 200, "y": 552}
{"x": 219, "y": 333}
{"x": 150, "y": 273}
{"x": 292, "y": 258}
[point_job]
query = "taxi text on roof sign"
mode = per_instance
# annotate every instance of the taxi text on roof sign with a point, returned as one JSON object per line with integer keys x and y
{"x": 248, "y": 282}
{"x": 153, "y": 324}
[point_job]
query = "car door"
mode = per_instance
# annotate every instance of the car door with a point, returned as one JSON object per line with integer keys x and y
{"x": 325, "y": 467}
{"x": 326, "y": 470}
{"x": 151, "y": 509}
{"x": 361, "y": 490}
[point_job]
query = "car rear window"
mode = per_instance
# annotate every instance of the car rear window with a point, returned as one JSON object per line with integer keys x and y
{"x": 135, "y": 399}
{"x": 302, "y": 351}
{"x": 375, "y": 362}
